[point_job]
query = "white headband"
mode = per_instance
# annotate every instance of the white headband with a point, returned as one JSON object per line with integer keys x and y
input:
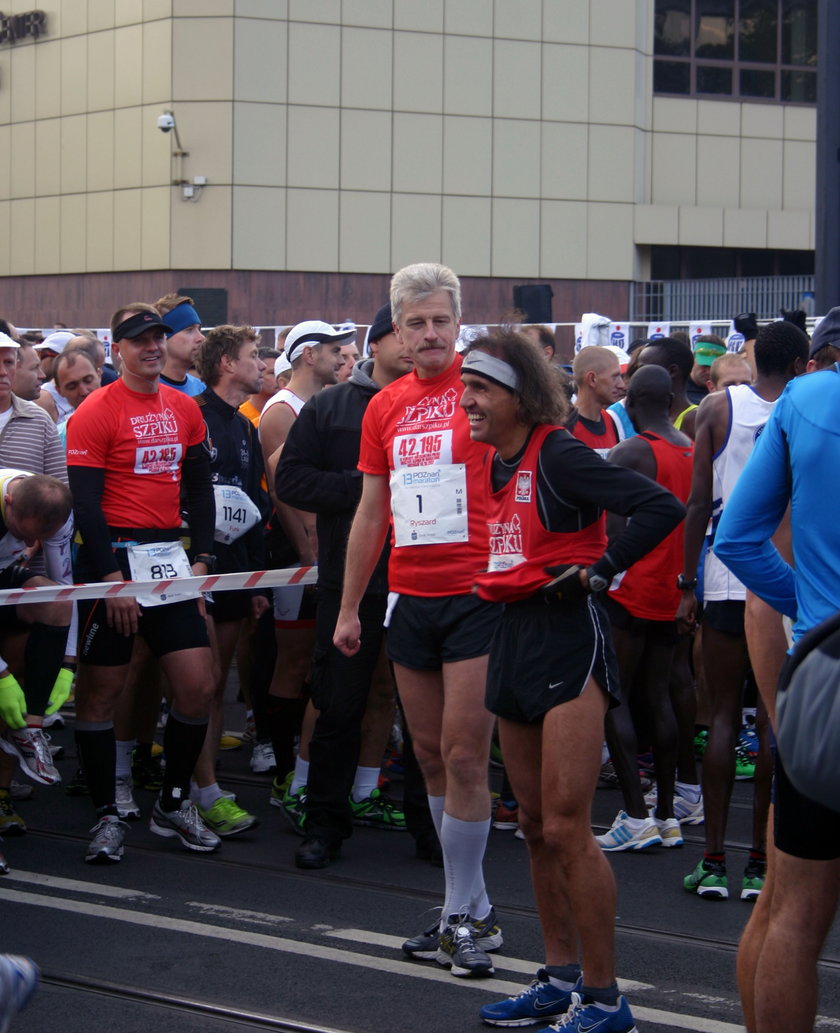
{"x": 497, "y": 370}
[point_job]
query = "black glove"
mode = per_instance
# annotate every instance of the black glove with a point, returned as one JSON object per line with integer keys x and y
{"x": 745, "y": 324}
{"x": 565, "y": 585}
{"x": 795, "y": 316}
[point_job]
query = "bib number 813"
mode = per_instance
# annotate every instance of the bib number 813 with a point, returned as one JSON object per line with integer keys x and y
{"x": 161, "y": 571}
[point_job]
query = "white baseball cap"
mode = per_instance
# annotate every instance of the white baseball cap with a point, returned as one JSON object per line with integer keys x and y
{"x": 311, "y": 333}
{"x": 55, "y": 342}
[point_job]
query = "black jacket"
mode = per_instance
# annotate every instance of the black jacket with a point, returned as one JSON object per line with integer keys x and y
{"x": 317, "y": 471}
{"x": 236, "y": 459}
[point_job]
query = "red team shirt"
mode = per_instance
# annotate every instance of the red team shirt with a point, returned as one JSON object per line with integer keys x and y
{"x": 414, "y": 424}
{"x": 649, "y": 588}
{"x": 127, "y": 434}
{"x": 521, "y": 547}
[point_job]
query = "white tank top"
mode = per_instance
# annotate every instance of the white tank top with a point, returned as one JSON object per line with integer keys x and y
{"x": 294, "y": 402}
{"x": 748, "y": 413}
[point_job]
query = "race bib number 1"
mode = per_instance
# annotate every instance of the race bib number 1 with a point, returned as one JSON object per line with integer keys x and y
{"x": 429, "y": 505}
{"x": 160, "y": 561}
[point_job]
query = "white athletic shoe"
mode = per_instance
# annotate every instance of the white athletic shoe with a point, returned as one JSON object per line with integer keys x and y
{"x": 622, "y": 836}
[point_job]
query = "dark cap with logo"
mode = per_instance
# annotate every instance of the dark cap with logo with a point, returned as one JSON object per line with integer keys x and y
{"x": 138, "y": 323}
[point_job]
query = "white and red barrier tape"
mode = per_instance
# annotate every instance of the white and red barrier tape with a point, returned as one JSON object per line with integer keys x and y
{"x": 208, "y": 583}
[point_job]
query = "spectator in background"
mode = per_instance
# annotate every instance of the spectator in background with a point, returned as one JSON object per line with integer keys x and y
{"x": 29, "y": 376}
{"x": 48, "y": 351}
{"x": 729, "y": 370}
{"x": 707, "y": 348}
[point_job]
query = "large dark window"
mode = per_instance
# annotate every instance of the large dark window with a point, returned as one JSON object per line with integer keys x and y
{"x": 705, "y": 263}
{"x": 745, "y": 49}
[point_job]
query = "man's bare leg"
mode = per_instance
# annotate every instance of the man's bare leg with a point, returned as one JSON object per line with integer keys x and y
{"x": 522, "y": 747}
{"x": 767, "y": 648}
{"x": 451, "y": 730}
{"x": 801, "y": 911}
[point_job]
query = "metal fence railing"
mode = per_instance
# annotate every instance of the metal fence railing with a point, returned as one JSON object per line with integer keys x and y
{"x": 683, "y": 300}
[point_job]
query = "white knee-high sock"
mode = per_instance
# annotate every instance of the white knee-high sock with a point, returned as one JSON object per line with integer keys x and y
{"x": 463, "y": 844}
{"x": 436, "y": 810}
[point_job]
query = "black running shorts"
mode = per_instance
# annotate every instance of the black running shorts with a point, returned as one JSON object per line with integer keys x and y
{"x": 167, "y": 629}
{"x": 426, "y": 632}
{"x": 726, "y": 615}
{"x": 544, "y": 653}
{"x": 802, "y": 827}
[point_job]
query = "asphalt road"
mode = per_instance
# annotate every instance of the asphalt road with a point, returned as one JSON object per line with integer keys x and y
{"x": 169, "y": 940}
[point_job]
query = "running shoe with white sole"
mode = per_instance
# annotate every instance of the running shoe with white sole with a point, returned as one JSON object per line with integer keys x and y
{"x": 669, "y": 831}
{"x": 590, "y": 1017}
{"x": 622, "y": 836}
{"x": 708, "y": 880}
{"x": 752, "y": 882}
{"x": 377, "y": 811}
{"x": 31, "y": 746}
{"x": 506, "y": 817}
{"x": 126, "y": 804}
{"x": 226, "y": 818}
{"x": 488, "y": 937}
{"x": 107, "y": 843}
{"x": 539, "y": 1002}
{"x": 459, "y": 951}
{"x": 18, "y": 979}
{"x": 688, "y": 813}
{"x": 184, "y": 824}
{"x": 293, "y": 805}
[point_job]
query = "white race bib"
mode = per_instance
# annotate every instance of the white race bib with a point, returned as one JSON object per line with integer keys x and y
{"x": 236, "y": 513}
{"x": 160, "y": 561}
{"x": 429, "y": 504}
{"x": 158, "y": 459}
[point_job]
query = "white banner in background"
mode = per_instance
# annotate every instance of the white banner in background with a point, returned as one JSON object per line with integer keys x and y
{"x": 658, "y": 330}
{"x": 696, "y": 330}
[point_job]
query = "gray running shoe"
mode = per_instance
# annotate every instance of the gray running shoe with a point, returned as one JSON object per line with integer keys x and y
{"x": 126, "y": 804}
{"x": 459, "y": 951}
{"x": 424, "y": 945}
{"x": 186, "y": 824}
{"x": 107, "y": 842}
{"x": 487, "y": 934}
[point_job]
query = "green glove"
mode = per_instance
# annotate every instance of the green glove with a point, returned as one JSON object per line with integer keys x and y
{"x": 12, "y": 702}
{"x": 61, "y": 690}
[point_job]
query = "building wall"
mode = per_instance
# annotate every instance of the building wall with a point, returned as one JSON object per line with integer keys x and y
{"x": 511, "y": 139}
{"x": 726, "y": 174}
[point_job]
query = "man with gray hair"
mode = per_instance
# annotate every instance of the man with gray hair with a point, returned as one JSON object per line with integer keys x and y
{"x": 423, "y": 475}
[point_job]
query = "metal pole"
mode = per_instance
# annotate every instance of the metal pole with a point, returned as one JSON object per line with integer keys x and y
{"x": 827, "y": 260}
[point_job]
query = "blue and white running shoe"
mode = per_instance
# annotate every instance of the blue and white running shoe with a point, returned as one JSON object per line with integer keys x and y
{"x": 18, "y": 979}
{"x": 539, "y": 1002}
{"x": 592, "y": 1018}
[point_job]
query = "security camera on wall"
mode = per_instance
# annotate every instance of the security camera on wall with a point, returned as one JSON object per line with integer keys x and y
{"x": 166, "y": 122}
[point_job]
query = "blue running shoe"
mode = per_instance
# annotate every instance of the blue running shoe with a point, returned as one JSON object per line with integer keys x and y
{"x": 539, "y": 1002}
{"x": 18, "y": 980}
{"x": 592, "y": 1018}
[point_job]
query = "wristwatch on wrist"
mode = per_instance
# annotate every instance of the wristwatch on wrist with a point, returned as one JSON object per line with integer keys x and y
{"x": 686, "y": 584}
{"x": 597, "y": 582}
{"x": 208, "y": 559}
